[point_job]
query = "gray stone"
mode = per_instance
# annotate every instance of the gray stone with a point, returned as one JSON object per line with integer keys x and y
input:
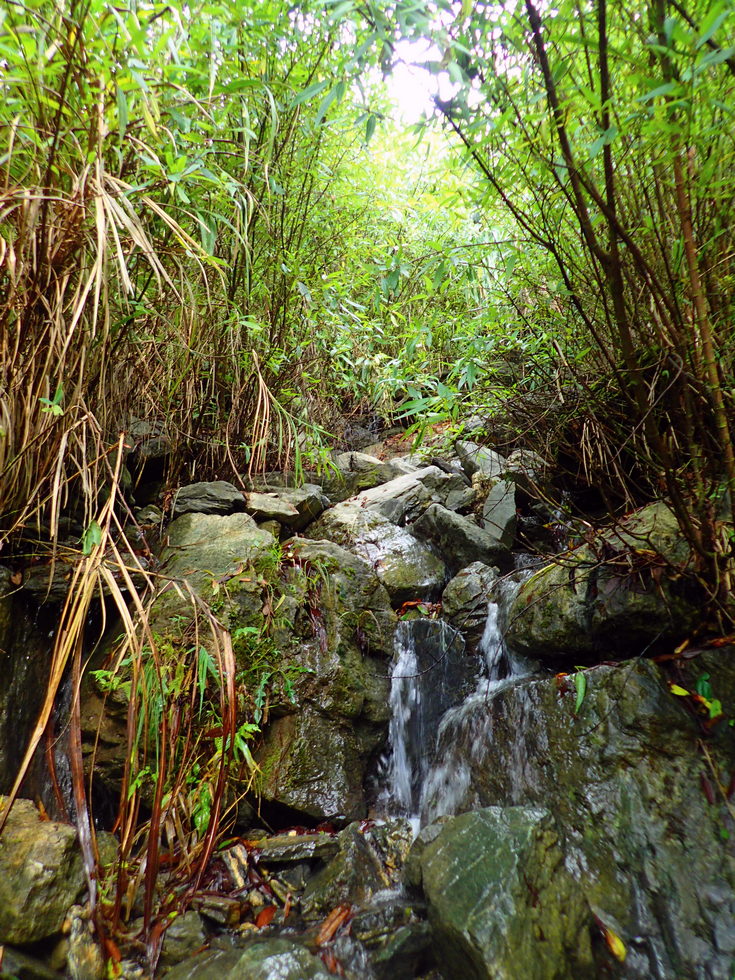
{"x": 309, "y": 501}
{"x": 315, "y": 764}
{"x": 218, "y": 497}
{"x": 499, "y": 512}
{"x": 291, "y": 849}
{"x": 270, "y": 507}
{"x": 352, "y": 877}
{"x": 207, "y": 965}
{"x": 477, "y": 459}
{"x": 315, "y": 759}
{"x": 626, "y": 782}
{"x": 527, "y": 469}
{"x": 202, "y": 549}
{"x": 148, "y": 440}
{"x": 495, "y": 884}
{"x": 357, "y": 462}
{"x": 618, "y": 594}
{"x": 184, "y": 936}
{"x": 41, "y": 875}
{"x": 355, "y": 605}
{"x": 404, "y": 498}
{"x": 459, "y": 540}
{"x": 18, "y": 965}
{"x": 465, "y": 600}
{"x": 278, "y": 959}
{"x": 151, "y": 514}
{"x": 406, "y": 567}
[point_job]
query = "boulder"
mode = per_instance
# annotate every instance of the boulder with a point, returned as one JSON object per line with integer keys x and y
{"x": 309, "y": 501}
{"x": 293, "y": 507}
{"x": 315, "y": 764}
{"x": 499, "y": 512}
{"x": 501, "y": 903}
{"x": 183, "y": 937}
{"x": 355, "y": 472}
{"x": 631, "y": 782}
{"x": 352, "y": 877}
{"x": 459, "y": 539}
{"x": 465, "y": 600}
{"x": 407, "y": 568}
{"x": 277, "y": 959}
{"x": 527, "y": 469}
{"x": 41, "y": 875}
{"x": 205, "y": 549}
{"x": 314, "y": 759}
{"x": 404, "y": 498}
{"x": 478, "y": 459}
{"x": 621, "y": 594}
{"x": 264, "y": 507}
{"x": 218, "y": 497}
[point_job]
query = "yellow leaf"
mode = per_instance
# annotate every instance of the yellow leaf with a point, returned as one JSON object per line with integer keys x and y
{"x": 615, "y": 944}
{"x": 681, "y": 691}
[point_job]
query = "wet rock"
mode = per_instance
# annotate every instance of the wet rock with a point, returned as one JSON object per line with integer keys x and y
{"x": 621, "y": 594}
{"x": 18, "y": 965}
{"x": 404, "y": 498}
{"x": 270, "y": 507}
{"x": 631, "y": 786}
{"x": 41, "y": 875}
{"x": 203, "y": 548}
{"x": 315, "y": 764}
{"x": 47, "y": 584}
{"x": 407, "y": 952}
{"x": 459, "y": 540}
{"x": 217, "y": 963}
{"x": 218, "y": 497}
{"x": 314, "y": 759}
{"x": 407, "y": 568}
{"x": 184, "y": 936}
{"x": 84, "y": 956}
{"x": 477, "y": 459}
{"x": 495, "y": 883}
{"x": 351, "y": 878}
{"x": 499, "y": 512}
{"x": 277, "y": 959}
{"x": 465, "y": 600}
{"x": 527, "y": 469}
{"x": 294, "y": 848}
{"x": 309, "y": 501}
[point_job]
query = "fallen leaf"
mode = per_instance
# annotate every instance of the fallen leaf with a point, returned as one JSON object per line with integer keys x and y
{"x": 265, "y": 916}
{"x": 336, "y": 918}
{"x": 613, "y": 942}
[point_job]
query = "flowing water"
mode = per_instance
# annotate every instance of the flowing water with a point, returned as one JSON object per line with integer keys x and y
{"x": 431, "y": 710}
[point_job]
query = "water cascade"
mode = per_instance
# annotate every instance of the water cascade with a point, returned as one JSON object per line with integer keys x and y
{"x": 436, "y": 689}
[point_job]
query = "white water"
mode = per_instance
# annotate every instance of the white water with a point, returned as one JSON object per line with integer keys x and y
{"x": 420, "y": 783}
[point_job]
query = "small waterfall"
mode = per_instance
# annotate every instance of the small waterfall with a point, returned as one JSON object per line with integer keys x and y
{"x": 432, "y": 710}
{"x": 430, "y": 674}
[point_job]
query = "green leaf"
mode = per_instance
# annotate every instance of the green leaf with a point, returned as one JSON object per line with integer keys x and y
{"x": 580, "y": 684}
{"x": 309, "y": 92}
{"x": 91, "y": 537}
{"x": 334, "y": 95}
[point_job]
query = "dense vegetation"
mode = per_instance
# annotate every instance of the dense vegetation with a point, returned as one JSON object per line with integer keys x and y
{"x": 209, "y": 221}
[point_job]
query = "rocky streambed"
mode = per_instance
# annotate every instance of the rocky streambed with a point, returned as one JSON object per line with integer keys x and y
{"x": 571, "y": 795}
